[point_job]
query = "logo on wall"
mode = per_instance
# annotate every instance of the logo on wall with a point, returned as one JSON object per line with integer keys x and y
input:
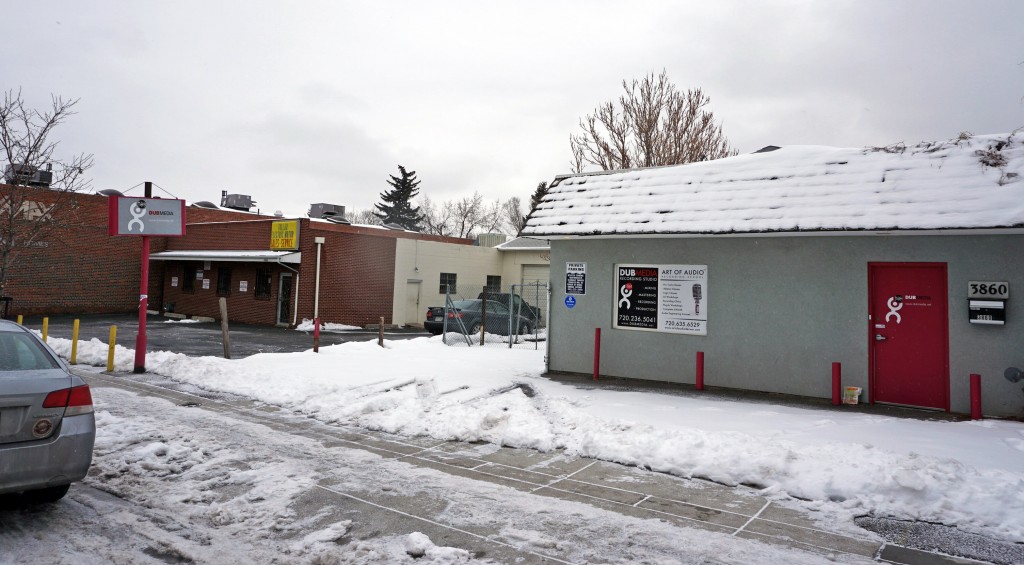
{"x": 625, "y": 291}
{"x": 894, "y": 304}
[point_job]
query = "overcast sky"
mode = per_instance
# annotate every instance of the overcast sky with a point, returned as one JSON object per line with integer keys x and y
{"x": 303, "y": 102}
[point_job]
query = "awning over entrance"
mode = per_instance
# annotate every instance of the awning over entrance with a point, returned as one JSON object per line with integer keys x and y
{"x": 294, "y": 257}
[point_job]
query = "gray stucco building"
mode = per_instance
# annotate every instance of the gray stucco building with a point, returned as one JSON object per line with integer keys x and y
{"x": 896, "y": 262}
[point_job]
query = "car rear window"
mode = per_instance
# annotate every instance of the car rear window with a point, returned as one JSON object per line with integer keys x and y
{"x": 19, "y": 352}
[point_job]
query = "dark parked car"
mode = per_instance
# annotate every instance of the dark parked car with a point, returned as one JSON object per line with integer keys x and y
{"x": 518, "y": 305}
{"x": 47, "y": 425}
{"x": 466, "y": 315}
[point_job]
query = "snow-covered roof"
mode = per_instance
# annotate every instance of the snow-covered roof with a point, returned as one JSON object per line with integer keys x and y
{"x": 968, "y": 182}
{"x": 257, "y": 256}
{"x": 524, "y": 244}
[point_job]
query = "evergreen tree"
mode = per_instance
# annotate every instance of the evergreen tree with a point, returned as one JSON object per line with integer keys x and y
{"x": 538, "y": 195}
{"x": 396, "y": 204}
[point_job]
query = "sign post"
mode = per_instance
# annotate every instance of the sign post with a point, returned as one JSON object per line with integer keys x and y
{"x": 145, "y": 217}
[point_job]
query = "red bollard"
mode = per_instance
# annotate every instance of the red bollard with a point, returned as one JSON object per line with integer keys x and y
{"x": 316, "y": 335}
{"x": 975, "y": 396}
{"x": 597, "y": 351}
{"x": 837, "y": 381}
{"x": 700, "y": 370}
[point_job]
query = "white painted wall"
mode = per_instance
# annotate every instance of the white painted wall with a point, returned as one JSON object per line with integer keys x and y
{"x": 424, "y": 261}
{"x": 513, "y": 262}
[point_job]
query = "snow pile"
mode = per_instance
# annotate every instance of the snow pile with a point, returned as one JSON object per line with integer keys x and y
{"x": 308, "y": 326}
{"x": 964, "y": 474}
{"x": 968, "y": 182}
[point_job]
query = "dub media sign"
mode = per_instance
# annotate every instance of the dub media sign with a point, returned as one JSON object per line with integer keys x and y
{"x": 661, "y": 298}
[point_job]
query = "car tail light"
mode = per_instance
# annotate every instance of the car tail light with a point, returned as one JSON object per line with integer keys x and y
{"x": 456, "y": 315}
{"x": 75, "y": 400}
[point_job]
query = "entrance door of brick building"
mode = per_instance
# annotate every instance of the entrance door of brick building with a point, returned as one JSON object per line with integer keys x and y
{"x": 413, "y": 316}
{"x": 284, "y": 299}
{"x": 909, "y": 334}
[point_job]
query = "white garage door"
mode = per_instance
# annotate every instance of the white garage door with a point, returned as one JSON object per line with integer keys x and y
{"x": 536, "y": 273}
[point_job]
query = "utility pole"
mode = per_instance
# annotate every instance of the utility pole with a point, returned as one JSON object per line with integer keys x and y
{"x": 140, "y": 338}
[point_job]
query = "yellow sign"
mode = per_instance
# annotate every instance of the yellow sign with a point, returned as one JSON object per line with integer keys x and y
{"x": 284, "y": 235}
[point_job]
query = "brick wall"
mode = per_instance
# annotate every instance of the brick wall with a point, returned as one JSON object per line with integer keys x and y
{"x": 356, "y": 278}
{"x": 78, "y": 268}
{"x": 82, "y": 270}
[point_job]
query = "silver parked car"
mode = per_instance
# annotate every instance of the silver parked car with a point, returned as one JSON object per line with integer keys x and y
{"x": 47, "y": 425}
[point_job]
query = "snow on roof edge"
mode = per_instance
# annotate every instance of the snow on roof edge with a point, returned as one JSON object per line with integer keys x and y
{"x": 965, "y": 183}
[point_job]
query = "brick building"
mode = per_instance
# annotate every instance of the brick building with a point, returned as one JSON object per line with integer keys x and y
{"x": 365, "y": 272}
{"x": 357, "y": 283}
{"x": 78, "y": 268}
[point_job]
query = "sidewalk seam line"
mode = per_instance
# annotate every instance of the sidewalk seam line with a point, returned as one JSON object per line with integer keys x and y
{"x": 754, "y": 517}
{"x": 429, "y": 521}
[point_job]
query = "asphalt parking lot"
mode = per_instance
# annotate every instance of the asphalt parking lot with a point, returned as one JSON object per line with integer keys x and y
{"x": 204, "y": 338}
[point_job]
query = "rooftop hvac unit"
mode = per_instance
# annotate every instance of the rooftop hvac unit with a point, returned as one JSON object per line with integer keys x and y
{"x": 326, "y": 211}
{"x": 29, "y": 175}
{"x": 236, "y": 201}
{"x": 490, "y": 239}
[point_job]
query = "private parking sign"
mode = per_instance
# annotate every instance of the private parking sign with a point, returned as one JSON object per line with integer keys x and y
{"x": 576, "y": 278}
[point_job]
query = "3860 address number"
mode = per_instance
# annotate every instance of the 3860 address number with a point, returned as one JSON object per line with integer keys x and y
{"x": 986, "y": 289}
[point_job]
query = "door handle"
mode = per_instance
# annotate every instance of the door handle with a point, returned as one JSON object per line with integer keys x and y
{"x": 880, "y": 337}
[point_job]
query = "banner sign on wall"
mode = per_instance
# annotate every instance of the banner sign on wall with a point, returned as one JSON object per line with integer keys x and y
{"x": 663, "y": 298}
{"x": 284, "y": 235}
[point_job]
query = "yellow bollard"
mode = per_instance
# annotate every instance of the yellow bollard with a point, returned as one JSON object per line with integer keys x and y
{"x": 46, "y": 328}
{"x": 20, "y": 319}
{"x": 110, "y": 354}
{"x": 74, "y": 343}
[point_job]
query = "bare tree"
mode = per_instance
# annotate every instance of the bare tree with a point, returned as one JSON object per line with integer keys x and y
{"x": 466, "y": 217}
{"x": 652, "y": 124}
{"x": 37, "y": 201}
{"x": 436, "y": 217}
{"x": 514, "y": 217}
{"x": 366, "y": 217}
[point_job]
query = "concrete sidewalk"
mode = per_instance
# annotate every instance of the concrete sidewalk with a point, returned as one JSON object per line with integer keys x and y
{"x": 691, "y": 503}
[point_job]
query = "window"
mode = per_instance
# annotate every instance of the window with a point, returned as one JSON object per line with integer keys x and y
{"x": 188, "y": 278}
{"x": 19, "y": 352}
{"x": 493, "y": 284}
{"x": 223, "y": 281}
{"x": 447, "y": 283}
{"x": 263, "y": 280}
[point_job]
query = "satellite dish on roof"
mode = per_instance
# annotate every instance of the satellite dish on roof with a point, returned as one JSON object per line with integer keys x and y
{"x": 110, "y": 192}
{"x": 205, "y": 204}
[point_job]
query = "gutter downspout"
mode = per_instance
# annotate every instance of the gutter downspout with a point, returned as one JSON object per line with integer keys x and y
{"x": 316, "y": 297}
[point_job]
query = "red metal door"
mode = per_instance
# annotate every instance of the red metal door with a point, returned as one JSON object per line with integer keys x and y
{"x": 909, "y": 336}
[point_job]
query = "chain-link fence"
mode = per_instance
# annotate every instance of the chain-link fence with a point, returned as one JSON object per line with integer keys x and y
{"x": 509, "y": 316}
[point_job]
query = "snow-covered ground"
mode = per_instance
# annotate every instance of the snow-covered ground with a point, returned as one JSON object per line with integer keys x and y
{"x": 965, "y": 474}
